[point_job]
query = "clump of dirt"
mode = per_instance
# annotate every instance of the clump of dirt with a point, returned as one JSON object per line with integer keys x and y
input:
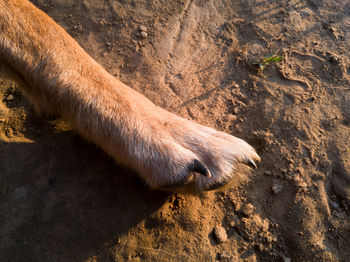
{"x": 62, "y": 199}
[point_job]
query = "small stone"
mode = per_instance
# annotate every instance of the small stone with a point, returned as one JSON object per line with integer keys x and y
{"x": 102, "y": 22}
{"x": 335, "y": 205}
{"x": 143, "y": 34}
{"x": 10, "y": 98}
{"x": 220, "y": 234}
{"x": 248, "y": 209}
{"x": 229, "y": 117}
{"x": 108, "y": 44}
{"x": 268, "y": 173}
{"x": 143, "y": 28}
{"x": 235, "y": 110}
{"x": 277, "y": 187}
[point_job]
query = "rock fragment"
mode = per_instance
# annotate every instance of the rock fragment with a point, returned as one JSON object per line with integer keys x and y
{"x": 220, "y": 234}
{"x": 143, "y": 28}
{"x": 334, "y": 204}
{"x": 9, "y": 98}
{"x": 277, "y": 187}
{"x": 143, "y": 31}
{"x": 268, "y": 173}
{"x": 143, "y": 34}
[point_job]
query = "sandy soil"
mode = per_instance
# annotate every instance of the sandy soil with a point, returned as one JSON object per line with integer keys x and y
{"x": 63, "y": 199}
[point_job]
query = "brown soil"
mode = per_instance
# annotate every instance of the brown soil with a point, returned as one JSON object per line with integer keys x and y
{"x": 62, "y": 199}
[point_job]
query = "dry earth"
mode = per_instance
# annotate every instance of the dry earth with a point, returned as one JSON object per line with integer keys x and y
{"x": 62, "y": 199}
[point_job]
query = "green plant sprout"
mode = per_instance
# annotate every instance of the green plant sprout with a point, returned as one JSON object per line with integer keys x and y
{"x": 271, "y": 58}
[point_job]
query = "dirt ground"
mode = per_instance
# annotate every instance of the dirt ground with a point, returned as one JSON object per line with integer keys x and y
{"x": 63, "y": 199}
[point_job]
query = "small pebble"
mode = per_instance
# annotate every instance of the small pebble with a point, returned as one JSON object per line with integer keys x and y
{"x": 143, "y": 28}
{"x": 268, "y": 173}
{"x": 143, "y": 34}
{"x": 102, "y": 23}
{"x": 220, "y": 234}
{"x": 229, "y": 117}
{"x": 277, "y": 187}
{"x": 10, "y": 98}
{"x": 335, "y": 205}
{"x": 248, "y": 209}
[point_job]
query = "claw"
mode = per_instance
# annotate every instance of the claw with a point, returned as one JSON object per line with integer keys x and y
{"x": 194, "y": 167}
{"x": 198, "y": 167}
{"x": 252, "y": 164}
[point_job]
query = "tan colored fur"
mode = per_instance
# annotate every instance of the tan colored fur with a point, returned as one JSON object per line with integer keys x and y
{"x": 62, "y": 79}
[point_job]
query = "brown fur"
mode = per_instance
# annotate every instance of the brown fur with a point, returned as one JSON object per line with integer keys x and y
{"x": 62, "y": 79}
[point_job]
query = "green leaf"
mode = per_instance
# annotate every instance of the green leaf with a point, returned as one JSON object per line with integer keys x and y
{"x": 275, "y": 59}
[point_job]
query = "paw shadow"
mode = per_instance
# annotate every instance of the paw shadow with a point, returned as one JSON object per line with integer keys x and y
{"x": 63, "y": 199}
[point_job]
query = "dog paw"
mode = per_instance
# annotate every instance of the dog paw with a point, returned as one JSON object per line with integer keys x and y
{"x": 189, "y": 154}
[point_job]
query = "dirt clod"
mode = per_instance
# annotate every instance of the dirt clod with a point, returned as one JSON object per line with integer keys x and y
{"x": 143, "y": 34}
{"x": 220, "y": 234}
{"x": 143, "y": 28}
{"x": 248, "y": 209}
